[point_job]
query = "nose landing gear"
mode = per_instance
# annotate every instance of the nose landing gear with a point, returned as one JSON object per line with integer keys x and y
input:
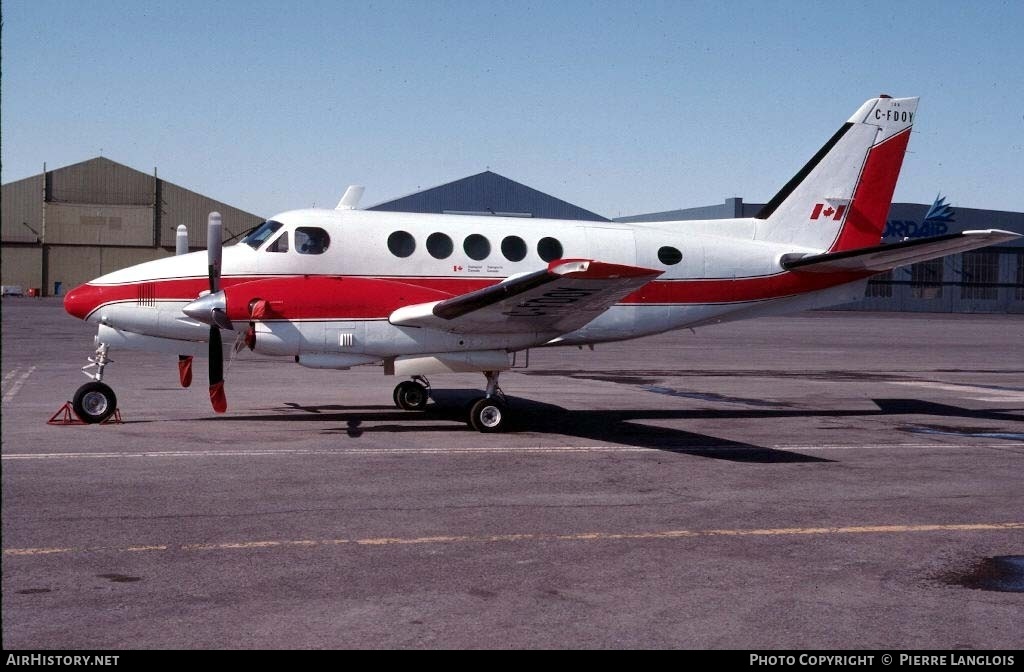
{"x": 95, "y": 401}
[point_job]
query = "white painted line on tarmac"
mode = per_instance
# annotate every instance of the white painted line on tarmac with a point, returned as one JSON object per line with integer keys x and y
{"x": 16, "y": 387}
{"x": 265, "y": 544}
{"x": 489, "y": 450}
{"x": 969, "y": 391}
{"x": 10, "y": 374}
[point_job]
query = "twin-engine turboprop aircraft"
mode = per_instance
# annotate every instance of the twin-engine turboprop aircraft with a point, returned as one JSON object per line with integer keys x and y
{"x": 424, "y": 294}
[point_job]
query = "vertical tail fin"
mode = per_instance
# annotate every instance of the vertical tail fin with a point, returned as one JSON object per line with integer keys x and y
{"x": 840, "y": 199}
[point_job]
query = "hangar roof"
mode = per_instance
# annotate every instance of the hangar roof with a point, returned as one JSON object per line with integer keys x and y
{"x": 488, "y": 193}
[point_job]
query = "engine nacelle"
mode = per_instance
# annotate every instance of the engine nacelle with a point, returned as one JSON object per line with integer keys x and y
{"x": 332, "y": 361}
{"x": 451, "y": 362}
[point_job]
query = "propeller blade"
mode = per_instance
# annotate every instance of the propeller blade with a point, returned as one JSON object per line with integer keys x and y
{"x": 217, "y": 316}
{"x": 217, "y": 397}
{"x": 185, "y": 370}
{"x": 214, "y": 247}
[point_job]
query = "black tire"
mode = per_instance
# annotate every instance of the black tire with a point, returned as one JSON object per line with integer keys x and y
{"x": 488, "y": 415}
{"x": 411, "y": 396}
{"x": 94, "y": 402}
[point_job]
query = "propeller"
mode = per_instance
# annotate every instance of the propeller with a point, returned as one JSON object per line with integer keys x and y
{"x": 214, "y": 249}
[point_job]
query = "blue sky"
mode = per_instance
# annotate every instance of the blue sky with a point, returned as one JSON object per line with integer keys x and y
{"x": 619, "y": 107}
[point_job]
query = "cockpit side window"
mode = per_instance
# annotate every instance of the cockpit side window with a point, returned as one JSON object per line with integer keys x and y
{"x": 262, "y": 233}
{"x": 311, "y": 240}
{"x": 279, "y": 245}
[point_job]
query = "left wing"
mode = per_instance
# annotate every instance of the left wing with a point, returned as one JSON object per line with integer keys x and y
{"x": 566, "y": 295}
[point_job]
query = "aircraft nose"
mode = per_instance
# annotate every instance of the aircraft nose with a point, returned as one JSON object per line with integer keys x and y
{"x": 81, "y": 301}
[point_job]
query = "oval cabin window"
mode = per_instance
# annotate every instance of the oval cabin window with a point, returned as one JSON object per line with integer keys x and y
{"x": 669, "y": 256}
{"x": 439, "y": 245}
{"x": 514, "y": 248}
{"x": 476, "y": 246}
{"x": 549, "y": 249}
{"x": 401, "y": 243}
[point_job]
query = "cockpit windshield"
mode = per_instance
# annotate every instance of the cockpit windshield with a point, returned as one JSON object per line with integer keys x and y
{"x": 262, "y": 233}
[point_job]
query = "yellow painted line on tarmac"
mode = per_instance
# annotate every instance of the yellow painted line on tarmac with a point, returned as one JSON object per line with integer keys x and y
{"x": 137, "y": 549}
{"x": 248, "y": 544}
{"x": 514, "y": 538}
{"x": 485, "y": 450}
{"x": 39, "y": 551}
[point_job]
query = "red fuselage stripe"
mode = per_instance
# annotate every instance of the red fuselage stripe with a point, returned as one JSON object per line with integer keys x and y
{"x": 341, "y": 297}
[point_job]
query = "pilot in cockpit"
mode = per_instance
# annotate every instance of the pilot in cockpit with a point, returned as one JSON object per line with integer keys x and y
{"x": 310, "y": 240}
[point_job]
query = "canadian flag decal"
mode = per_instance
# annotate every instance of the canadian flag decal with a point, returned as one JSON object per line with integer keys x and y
{"x": 823, "y": 210}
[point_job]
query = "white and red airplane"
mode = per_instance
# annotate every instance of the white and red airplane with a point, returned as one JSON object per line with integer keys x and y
{"x": 424, "y": 294}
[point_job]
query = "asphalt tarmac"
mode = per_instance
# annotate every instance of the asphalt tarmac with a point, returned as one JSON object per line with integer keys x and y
{"x": 829, "y": 480}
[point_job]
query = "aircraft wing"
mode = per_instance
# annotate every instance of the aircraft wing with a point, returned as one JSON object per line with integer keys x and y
{"x": 566, "y": 295}
{"x": 884, "y": 257}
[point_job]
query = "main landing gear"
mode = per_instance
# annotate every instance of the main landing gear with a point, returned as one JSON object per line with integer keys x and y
{"x": 487, "y": 415}
{"x": 412, "y": 395}
{"x": 94, "y": 402}
{"x": 490, "y": 414}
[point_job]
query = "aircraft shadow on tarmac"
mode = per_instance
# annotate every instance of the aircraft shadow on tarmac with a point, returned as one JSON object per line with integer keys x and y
{"x": 624, "y": 427}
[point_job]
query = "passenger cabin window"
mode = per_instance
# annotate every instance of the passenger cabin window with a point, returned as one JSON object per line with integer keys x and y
{"x": 476, "y": 246}
{"x": 401, "y": 243}
{"x": 549, "y": 249}
{"x": 514, "y": 248}
{"x": 279, "y": 245}
{"x": 439, "y": 245}
{"x": 311, "y": 240}
{"x": 261, "y": 233}
{"x": 669, "y": 256}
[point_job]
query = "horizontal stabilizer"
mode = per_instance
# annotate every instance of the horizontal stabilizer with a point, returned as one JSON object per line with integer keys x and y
{"x": 881, "y": 258}
{"x": 566, "y": 295}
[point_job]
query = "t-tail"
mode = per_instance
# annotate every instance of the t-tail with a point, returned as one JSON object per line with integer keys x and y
{"x": 840, "y": 199}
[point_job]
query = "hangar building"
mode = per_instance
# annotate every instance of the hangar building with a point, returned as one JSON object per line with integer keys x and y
{"x": 66, "y": 226}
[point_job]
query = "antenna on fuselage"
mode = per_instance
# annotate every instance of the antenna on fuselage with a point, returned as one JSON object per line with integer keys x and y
{"x": 350, "y": 201}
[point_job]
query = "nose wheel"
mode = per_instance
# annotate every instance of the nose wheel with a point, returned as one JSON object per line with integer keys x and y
{"x": 94, "y": 402}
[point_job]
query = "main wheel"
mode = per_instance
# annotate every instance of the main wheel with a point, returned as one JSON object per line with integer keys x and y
{"x": 94, "y": 402}
{"x": 488, "y": 415}
{"x": 410, "y": 396}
